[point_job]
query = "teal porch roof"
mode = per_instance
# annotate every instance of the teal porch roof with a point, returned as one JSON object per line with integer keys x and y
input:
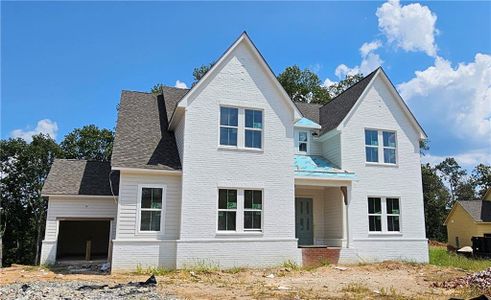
{"x": 315, "y": 166}
{"x": 307, "y": 123}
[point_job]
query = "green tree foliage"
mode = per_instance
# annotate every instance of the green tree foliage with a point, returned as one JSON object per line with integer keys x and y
{"x": 436, "y": 198}
{"x": 24, "y": 168}
{"x": 88, "y": 142}
{"x": 337, "y": 88}
{"x": 200, "y": 71}
{"x": 453, "y": 174}
{"x": 157, "y": 88}
{"x": 303, "y": 85}
{"x": 481, "y": 179}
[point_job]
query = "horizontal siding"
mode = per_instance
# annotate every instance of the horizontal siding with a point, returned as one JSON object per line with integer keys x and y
{"x": 127, "y": 206}
{"x": 179, "y": 134}
{"x": 331, "y": 149}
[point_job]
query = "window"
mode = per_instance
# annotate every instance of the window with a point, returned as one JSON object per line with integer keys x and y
{"x": 253, "y": 205}
{"x": 253, "y": 128}
{"x": 229, "y": 122}
{"x": 389, "y": 147}
{"x": 373, "y": 151}
{"x": 383, "y": 214}
{"x": 151, "y": 208}
{"x": 227, "y": 209}
{"x": 302, "y": 141}
{"x": 393, "y": 214}
{"x": 371, "y": 145}
{"x": 375, "y": 214}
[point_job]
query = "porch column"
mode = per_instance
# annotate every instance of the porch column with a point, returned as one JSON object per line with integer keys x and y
{"x": 346, "y": 234}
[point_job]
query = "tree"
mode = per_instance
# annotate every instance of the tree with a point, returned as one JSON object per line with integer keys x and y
{"x": 453, "y": 174}
{"x": 88, "y": 142}
{"x": 337, "y": 88}
{"x": 436, "y": 198}
{"x": 200, "y": 71}
{"x": 24, "y": 168}
{"x": 303, "y": 85}
{"x": 156, "y": 89}
{"x": 481, "y": 178}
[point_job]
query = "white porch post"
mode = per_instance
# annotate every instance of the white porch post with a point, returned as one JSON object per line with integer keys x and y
{"x": 346, "y": 233}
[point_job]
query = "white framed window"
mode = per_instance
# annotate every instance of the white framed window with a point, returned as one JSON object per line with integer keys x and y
{"x": 380, "y": 146}
{"x": 229, "y": 125}
{"x": 253, "y": 210}
{"x": 151, "y": 201}
{"x": 227, "y": 209}
{"x": 384, "y": 214}
{"x": 303, "y": 140}
{"x": 253, "y": 128}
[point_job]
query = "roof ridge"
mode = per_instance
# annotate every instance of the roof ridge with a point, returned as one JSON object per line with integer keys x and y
{"x": 150, "y": 93}
{"x": 82, "y": 160}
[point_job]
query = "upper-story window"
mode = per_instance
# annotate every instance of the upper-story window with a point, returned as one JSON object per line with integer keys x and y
{"x": 229, "y": 123}
{"x": 380, "y": 144}
{"x": 253, "y": 128}
{"x": 303, "y": 139}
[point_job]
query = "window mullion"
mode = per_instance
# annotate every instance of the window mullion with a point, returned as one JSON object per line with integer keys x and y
{"x": 240, "y": 211}
{"x": 240, "y": 128}
{"x": 384, "y": 213}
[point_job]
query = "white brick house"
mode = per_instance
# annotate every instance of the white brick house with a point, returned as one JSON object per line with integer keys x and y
{"x": 233, "y": 173}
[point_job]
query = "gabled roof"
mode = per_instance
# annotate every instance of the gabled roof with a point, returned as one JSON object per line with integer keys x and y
{"x": 309, "y": 110}
{"x": 81, "y": 177}
{"x": 142, "y": 140}
{"x": 334, "y": 112}
{"x": 243, "y": 38}
{"x": 478, "y": 210}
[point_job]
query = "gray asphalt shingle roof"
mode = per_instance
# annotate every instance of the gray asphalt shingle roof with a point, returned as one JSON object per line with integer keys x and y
{"x": 480, "y": 210}
{"x": 309, "y": 110}
{"x": 142, "y": 139}
{"x": 80, "y": 177}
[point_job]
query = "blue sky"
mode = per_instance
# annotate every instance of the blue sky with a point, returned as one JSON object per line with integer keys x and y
{"x": 64, "y": 64}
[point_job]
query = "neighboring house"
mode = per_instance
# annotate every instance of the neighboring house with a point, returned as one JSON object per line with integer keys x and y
{"x": 467, "y": 219}
{"x": 233, "y": 173}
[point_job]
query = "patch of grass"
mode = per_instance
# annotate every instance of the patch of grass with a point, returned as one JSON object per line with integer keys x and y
{"x": 291, "y": 265}
{"x": 234, "y": 270}
{"x": 439, "y": 256}
{"x": 356, "y": 288}
{"x": 203, "y": 266}
{"x": 157, "y": 271}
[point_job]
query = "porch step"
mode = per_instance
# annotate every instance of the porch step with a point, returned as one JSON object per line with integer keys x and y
{"x": 316, "y": 256}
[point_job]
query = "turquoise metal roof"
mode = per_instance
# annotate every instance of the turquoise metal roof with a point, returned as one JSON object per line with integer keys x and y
{"x": 304, "y": 122}
{"x": 318, "y": 167}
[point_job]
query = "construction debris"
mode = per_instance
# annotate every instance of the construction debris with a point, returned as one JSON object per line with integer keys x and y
{"x": 480, "y": 280}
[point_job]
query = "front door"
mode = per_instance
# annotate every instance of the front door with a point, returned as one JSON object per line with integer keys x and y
{"x": 304, "y": 221}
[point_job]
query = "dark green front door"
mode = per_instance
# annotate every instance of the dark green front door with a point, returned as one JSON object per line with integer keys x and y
{"x": 304, "y": 221}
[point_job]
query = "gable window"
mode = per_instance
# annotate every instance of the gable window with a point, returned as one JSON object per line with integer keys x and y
{"x": 151, "y": 208}
{"x": 253, "y": 128}
{"x": 383, "y": 214}
{"x": 253, "y": 205}
{"x": 380, "y": 144}
{"x": 227, "y": 209}
{"x": 229, "y": 122}
{"x": 302, "y": 141}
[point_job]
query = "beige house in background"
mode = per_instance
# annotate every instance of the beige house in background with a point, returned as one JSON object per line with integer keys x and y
{"x": 468, "y": 219}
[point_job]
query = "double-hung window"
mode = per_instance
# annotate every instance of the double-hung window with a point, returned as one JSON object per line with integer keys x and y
{"x": 227, "y": 209}
{"x": 303, "y": 139}
{"x": 253, "y": 207}
{"x": 253, "y": 128}
{"x": 151, "y": 208}
{"x": 229, "y": 122}
{"x": 380, "y": 144}
{"x": 383, "y": 214}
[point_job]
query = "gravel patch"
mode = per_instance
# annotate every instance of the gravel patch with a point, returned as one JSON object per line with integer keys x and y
{"x": 481, "y": 280}
{"x": 77, "y": 290}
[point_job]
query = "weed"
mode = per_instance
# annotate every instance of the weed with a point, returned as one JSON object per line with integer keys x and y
{"x": 439, "y": 256}
{"x": 157, "y": 271}
{"x": 291, "y": 265}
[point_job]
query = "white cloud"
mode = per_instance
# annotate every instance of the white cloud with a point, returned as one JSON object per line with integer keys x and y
{"x": 466, "y": 160}
{"x": 45, "y": 126}
{"x": 180, "y": 84}
{"x": 455, "y": 99}
{"x": 411, "y": 27}
{"x": 369, "y": 61}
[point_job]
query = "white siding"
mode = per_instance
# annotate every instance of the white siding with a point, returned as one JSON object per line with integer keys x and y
{"x": 379, "y": 109}
{"x": 60, "y": 207}
{"x": 331, "y": 149}
{"x": 179, "y": 134}
{"x": 240, "y": 81}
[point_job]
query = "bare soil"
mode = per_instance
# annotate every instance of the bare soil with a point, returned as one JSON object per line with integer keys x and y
{"x": 389, "y": 280}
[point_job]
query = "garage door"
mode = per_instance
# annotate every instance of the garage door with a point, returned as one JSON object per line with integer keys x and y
{"x": 77, "y": 237}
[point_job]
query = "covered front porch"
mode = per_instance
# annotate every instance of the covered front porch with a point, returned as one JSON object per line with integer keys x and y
{"x": 322, "y": 195}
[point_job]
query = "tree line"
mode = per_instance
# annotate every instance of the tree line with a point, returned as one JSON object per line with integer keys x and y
{"x": 25, "y": 165}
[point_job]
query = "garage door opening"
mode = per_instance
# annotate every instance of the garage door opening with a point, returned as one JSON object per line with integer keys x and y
{"x": 83, "y": 240}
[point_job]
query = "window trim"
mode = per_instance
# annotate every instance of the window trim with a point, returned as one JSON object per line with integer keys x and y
{"x": 241, "y": 128}
{"x": 236, "y": 210}
{"x": 380, "y": 147}
{"x": 383, "y": 203}
{"x": 253, "y": 210}
{"x": 254, "y": 129}
{"x": 297, "y": 138}
{"x": 139, "y": 208}
{"x": 381, "y": 215}
{"x": 228, "y": 126}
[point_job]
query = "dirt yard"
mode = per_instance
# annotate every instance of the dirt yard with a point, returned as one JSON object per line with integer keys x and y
{"x": 389, "y": 280}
